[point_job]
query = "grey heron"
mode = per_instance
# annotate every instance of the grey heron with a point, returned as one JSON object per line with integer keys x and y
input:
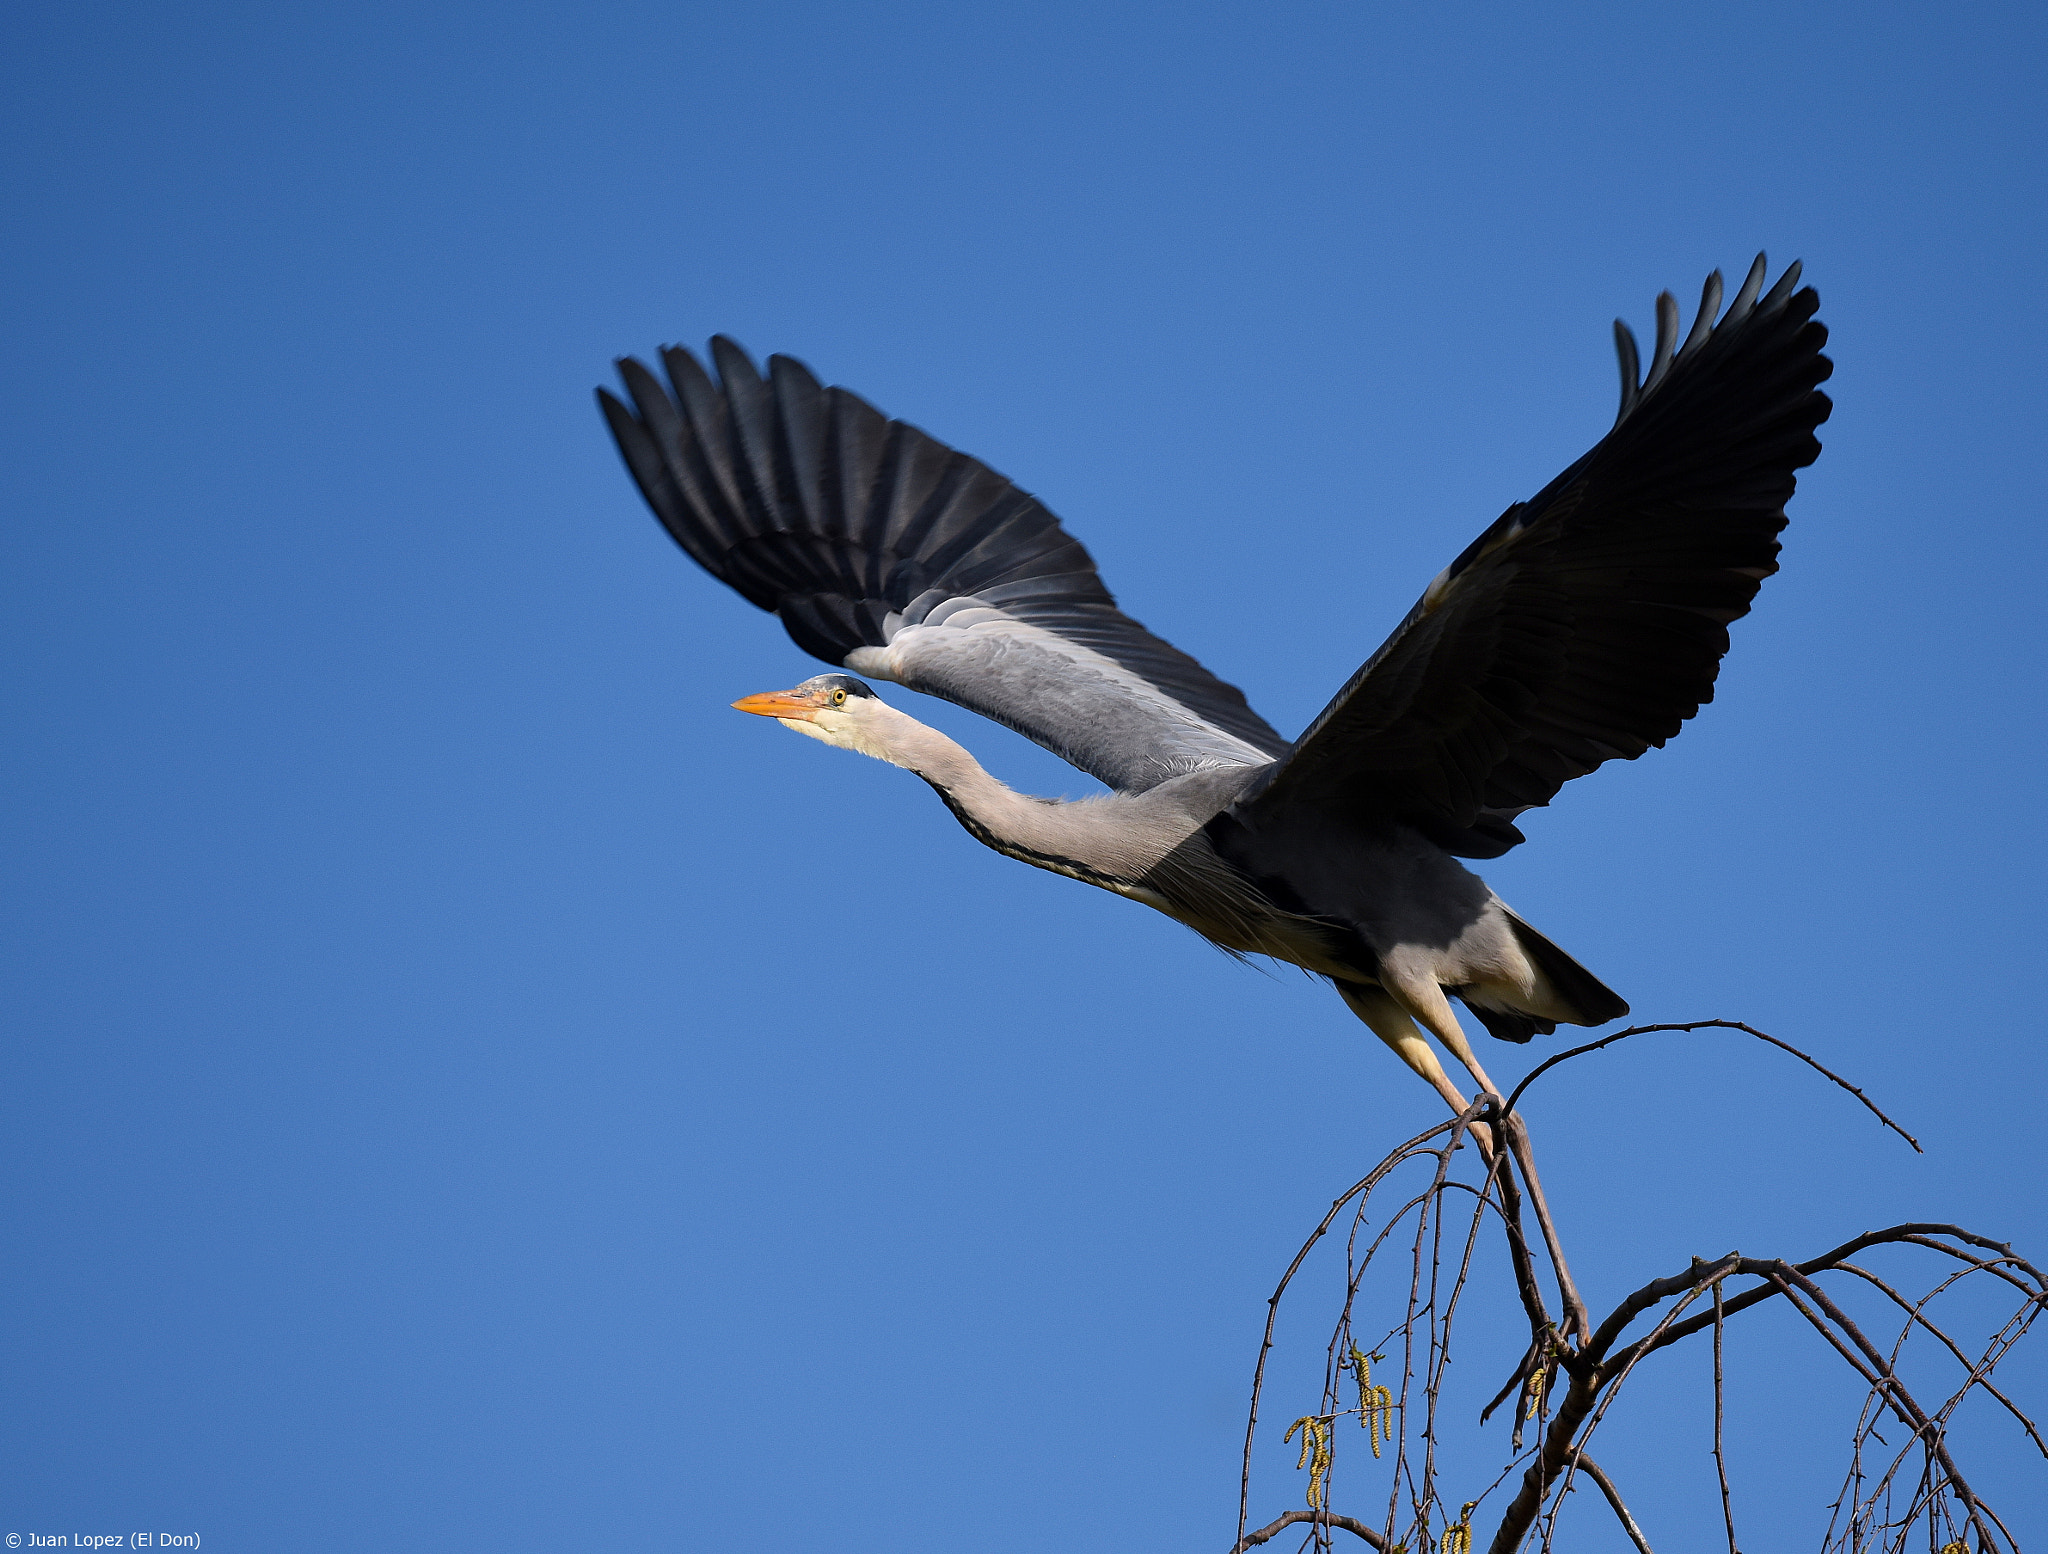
{"x": 1583, "y": 625}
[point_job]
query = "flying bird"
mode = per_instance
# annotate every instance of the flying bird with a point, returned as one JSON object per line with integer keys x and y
{"x": 1583, "y": 625}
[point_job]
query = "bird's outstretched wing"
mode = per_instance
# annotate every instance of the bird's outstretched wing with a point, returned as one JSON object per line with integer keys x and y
{"x": 890, "y": 554}
{"x": 1587, "y": 623}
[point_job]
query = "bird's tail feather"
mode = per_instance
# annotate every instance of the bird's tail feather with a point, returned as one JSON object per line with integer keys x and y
{"x": 1591, "y": 1001}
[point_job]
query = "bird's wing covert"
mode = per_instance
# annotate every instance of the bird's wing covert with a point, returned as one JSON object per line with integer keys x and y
{"x": 888, "y": 553}
{"x": 1587, "y": 623}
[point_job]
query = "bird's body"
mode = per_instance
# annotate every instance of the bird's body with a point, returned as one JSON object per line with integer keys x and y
{"x": 1583, "y": 625}
{"x": 1387, "y": 915}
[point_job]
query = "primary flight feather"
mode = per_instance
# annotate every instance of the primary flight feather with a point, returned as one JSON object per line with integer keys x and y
{"x": 1585, "y": 624}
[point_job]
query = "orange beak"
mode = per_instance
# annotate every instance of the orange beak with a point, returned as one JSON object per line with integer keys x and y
{"x": 779, "y": 704}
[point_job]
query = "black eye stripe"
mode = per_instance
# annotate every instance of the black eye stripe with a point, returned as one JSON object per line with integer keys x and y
{"x": 836, "y": 688}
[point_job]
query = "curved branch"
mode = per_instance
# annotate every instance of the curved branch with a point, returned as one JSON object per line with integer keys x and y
{"x": 2036, "y": 1292}
{"x": 1897, "y": 1397}
{"x": 1604, "y": 1370}
{"x": 1593, "y": 1471}
{"x": 1915, "y": 1315}
{"x": 1710, "y": 1025}
{"x": 1581, "y": 1384}
{"x": 1350, "y": 1524}
{"x": 1912, "y": 1233}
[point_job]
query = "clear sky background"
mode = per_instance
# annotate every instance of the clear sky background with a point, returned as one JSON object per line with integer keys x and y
{"x": 465, "y": 1087}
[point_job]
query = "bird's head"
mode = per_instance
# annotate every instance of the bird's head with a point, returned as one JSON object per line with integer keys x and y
{"x": 836, "y": 708}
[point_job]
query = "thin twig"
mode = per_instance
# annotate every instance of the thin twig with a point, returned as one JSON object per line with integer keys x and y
{"x": 1902, "y": 1401}
{"x": 1915, "y": 1314}
{"x": 1707, "y": 1025}
{"x": 1593, "y": 1471}
{"x": 1364, "y": 1184}
{"x": 1539, "y": 1350}
{"x": 1584, "y": 1398}
{"x": 1893, "y": 1395}
{"x": 1720, "y": 1462}
{"x": 1440, "y": 1327}
{"x": 1881, "y": 1502}
{"x": 2036, "y": 1292}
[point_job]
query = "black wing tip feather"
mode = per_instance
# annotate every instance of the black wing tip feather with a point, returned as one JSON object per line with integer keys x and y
{"x": 1599, "y": 639}
{"x": 1748, "y": 309}
{"x": 734, "y": 365}
{"x": 812, "y": 504}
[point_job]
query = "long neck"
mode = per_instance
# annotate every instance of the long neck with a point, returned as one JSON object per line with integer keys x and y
{"x": 1109, "y": 841}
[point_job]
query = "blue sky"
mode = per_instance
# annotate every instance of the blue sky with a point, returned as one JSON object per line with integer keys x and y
{"x": 463, "y": 1084}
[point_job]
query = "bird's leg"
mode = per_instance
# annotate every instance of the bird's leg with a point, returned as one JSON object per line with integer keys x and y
{"x": 1425, "y": 1001}
{"x": 1422, "y": 999}
{"x": 1391, "y": 1024}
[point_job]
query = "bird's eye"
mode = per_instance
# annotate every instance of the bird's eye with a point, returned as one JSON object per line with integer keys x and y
{"x": 839, "y": 698}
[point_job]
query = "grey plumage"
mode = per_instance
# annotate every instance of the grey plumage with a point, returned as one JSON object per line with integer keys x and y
{"x": 1583, "y": 625}
{"x": 865, "y": 533}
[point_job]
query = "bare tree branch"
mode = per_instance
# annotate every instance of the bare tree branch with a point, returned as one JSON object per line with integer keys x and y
{"x": 1568, "y": 1391}
{"x": 1364, "y": 1185}
{"x": 1577, "y": 1321}
{"x": 1914, "y": 1314}
{"x": 1900, "y": 1399}
{"x": 1593, "y": 1471}
{"x": 1560, "y": 1444}
{"x": 1720, "y": 1461}
{"x": 1280, "y": 1524}
{"x": 1710, "y": 1025}
{"x": 1911, "y": 1234}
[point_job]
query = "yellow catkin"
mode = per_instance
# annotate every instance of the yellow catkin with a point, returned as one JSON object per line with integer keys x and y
{"x": 1540, "y": 1376}
{"x": 1458, "y": 1536}
{"x": 1315, "y": 1454}
{"x": 1375, "y": 1404}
